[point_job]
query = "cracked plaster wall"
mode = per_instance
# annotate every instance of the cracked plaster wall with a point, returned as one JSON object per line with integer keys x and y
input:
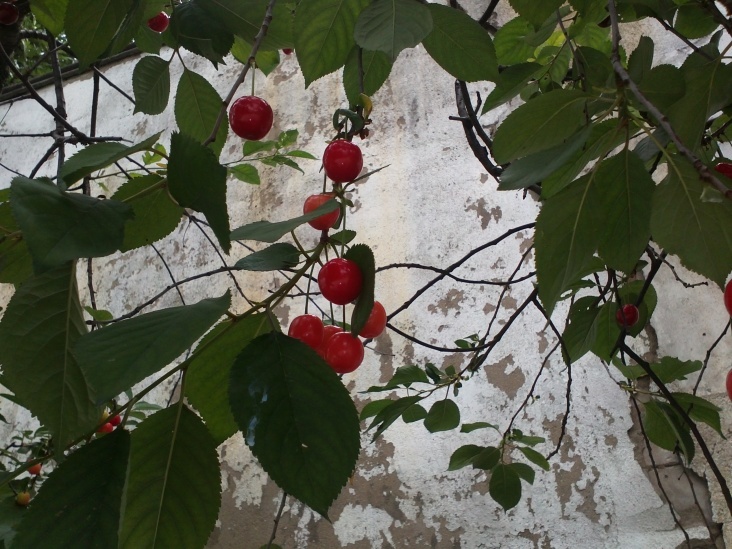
{"x": 431, "y": 206}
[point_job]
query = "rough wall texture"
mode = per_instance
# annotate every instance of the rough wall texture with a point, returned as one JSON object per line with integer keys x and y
{"x": 432, "y": 205}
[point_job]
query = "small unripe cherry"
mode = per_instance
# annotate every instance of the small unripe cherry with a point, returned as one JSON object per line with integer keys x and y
{"x": 23, "y": 499}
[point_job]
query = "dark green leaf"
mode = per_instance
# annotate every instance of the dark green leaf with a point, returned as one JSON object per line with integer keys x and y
{"x": 625, "y": 190}
{"x": 464, "y": 456}
{"x": 540, "y": 124}
{"x": 470, "y": 427}
{"x": 15, "y": 260}
{"x": 376, "y": 68}
{"x": 524, "y": 471}
{"x": 297, "y": 418}
{"x": 414, "y": 413}
{"x": 404, "y": 375}
{"x": 700, "y": 409}
{"x": 59, "y": 226}
{"x": 389, "y": 414}
{"x": 663, "y": 86}
{"x": 100, "y": 155}
{"x": 266, "y": 61}
{"x": 197, "y": 107}
{"x": 505, "y": 486}
{"x": 528, "y": 440}
{"x": 374, "y": 407}
{"x": 698, "y": 232}
{"x": 534, "y": 457}
{"x": 50, "y": 14}
{"x": 244, "y": 18}
{"x": 207, "y": 380}
{"x": 536, "y": 12}
{"x": 151, "y": 85}
{"x": 301, "y": 154}
{"x": 392, "y": 25}
{"x": 117, "y": 356}
{"x": 433, "y": 372}
{"x": 277, "y": 256}
{"x": 246, "y": 173}
{"x": 79, "y": 504}
{"x": 487, "y": 458}
{"x": 40, "y": 325}
{"x": 198, "y": 181}
{"x": 695, "y": 21}
{"x": 156, "y": 215}
{"x": 607, "y": 331}
{"x": 251, "y": 147}
{"x": 516, "y": 41}
{"x": 91, "y": 25}
{"x": 443, "y": 416}
{"x": 364, "y": 258}
{"x": 509, "y": 83}
{"x": 640, "y": 61}
{"x": 200, "y": 32}
{"x": 264, "y": 231}
{"x": 666, "y": 429}
{"x": 148, "y": 41}
{"x": 324, "y": 35}
{"x": 460, "y": 45}
{"x": 173, "y": 473}
{"x": 672, "y": 369}
{"x": 10, "y": 515}
{"x": 581, "y": 331}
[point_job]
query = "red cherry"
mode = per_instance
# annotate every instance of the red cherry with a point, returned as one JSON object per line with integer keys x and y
{"x": 342, "y": 161}
{"x": 106, "y": 428}
{"x": 340, "y": 281}
{"x": 728, "y": 297}
{"x": 627, "y": 316}
{"x": 115, "y": 420}
{"x": 8, "y": 13}
{"x": 308, "y": 329}
{"x": 729, "y": 384}
{"x": 328, "y": 332}
{"x": 159, "y": 23}
{"x": 325, "y": 221}
{"x": 376, "y": 322}
{"x": 287, "y": 51}
{"x": 35, "y": 469}
{"x": 344, "y": 352}
{"x": 251, "y": 117}
{"x": 725, "y": 168}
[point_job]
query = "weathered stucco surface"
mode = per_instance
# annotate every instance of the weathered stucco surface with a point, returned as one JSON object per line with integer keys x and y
{"x": 432, "y": 205}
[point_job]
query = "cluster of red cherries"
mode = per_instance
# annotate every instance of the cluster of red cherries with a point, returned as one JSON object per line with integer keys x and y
{"x": 340, "y": 280}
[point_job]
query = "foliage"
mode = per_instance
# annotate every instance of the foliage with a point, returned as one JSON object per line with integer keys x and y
{"x": 619, "y": 149}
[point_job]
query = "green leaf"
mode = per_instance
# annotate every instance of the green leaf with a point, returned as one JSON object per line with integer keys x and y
{"x": 566, "y": 238}
{"x": 265, "y": 231}
{"x": 266, "y": 61}
{"x": 389, "y": 414}
{"x": 373, "y": 408}
{"x": 540, "y": 124}
{"x": 50, "y": 14}
{"x": 274, "y": 257}
{"x": 534, "y": 457}
{"x": 151, "y": 85}
{"x": 663, "y": 86}
{"x": 119, "y": 355}
{"x": 148, "y": 41}
{"x": 509, "y": 83}
{"x": 640, "y": 61}
{"x": 392, "y": 25}
{"x": 99, "y": 314}
{"x": 464, "y": 456}
{"x": 252, "y": 147}
{"x": 532, "y": 169}
{"x": 197, "y": 106}
{"x": 16, "y": 263}
{"x": 364, "y": 258}
{"x": 343, "y": 237}
{"x": 581, "y": 331}
{"x": 700, "y": 409}
{"x": 443, "y": 416}
{"x": 625, "y": 200}
{"x": 460, "y": 45}
{"x": 60, "y": 226}
{"x": 324, "y": 35}
{"x": 699, "y": 232}
{"x": 536, "y": 12}
{"x": 173, "y": 473}
{"x": 297, "y": 418}
{"x": 376, "y": 68}
{"x": 156, "y": 215}
{"x": 470, "y": 427}
{"x": 79, "y": 504}
{"x": 524, "y": 471}
{"x": 246, "y": 173}
{"x": 199, "y": 32}
{"x": 244, "y": 18}
{"x": 516, "y": 41}
{"x": 198, "y": 181}
{"x": 672, "y": 369}
{"x": 207, "y": 380}
{"x": 100, "y": 155}
{"x": 527, "y": 439}
{"x": 414, "y": 413}
{"x": 39, "y": 327}
{"x": 10, "y": 516}
{"x": 695, "y": 21}
{"x": 666, "y": 429}
{"x": 607, "y": 330}
{"x": 91, "y": 25}
{"x": 505, "y": 486}
{"x": 487, "y": 458}
{"x": 404, "y": 375}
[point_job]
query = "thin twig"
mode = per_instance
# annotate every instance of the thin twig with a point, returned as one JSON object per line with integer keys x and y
{"x": 277, "y": 519}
